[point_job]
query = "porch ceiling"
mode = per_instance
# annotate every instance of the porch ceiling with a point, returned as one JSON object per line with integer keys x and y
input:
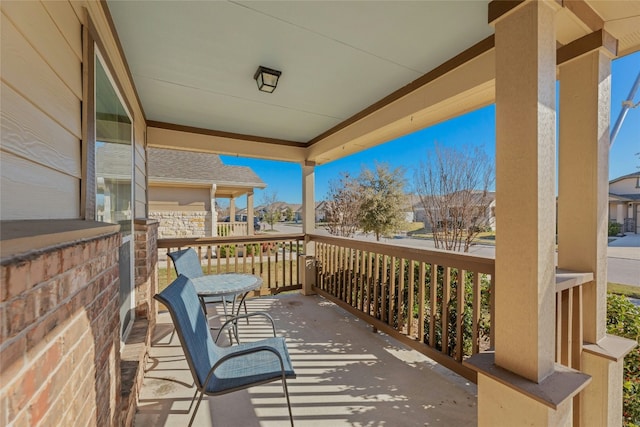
{"x": 193, "y": 62}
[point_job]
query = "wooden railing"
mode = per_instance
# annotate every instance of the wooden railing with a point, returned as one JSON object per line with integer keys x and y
{"x": 439, "y": 303}
{"x": 570, "y": 323}
{"x": 229, "y": 229}
{"x": 272, "y": 257}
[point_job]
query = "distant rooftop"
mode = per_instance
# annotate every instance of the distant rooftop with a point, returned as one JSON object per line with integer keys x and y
{"x": 190, "y": 166}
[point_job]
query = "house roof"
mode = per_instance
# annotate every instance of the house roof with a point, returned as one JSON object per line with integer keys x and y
{"x": 623, "y": 177}
{"x": 113, "y": 160}
{"x": 176, "y": 166}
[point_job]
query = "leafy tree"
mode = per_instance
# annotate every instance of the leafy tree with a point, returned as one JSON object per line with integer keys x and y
{"x": 453, "y": 188}
{"x": 342, "y": 208}
{"x": 288, "y": 214}
{"x": 271, "y": 208}
{"x": 383, "y": 200}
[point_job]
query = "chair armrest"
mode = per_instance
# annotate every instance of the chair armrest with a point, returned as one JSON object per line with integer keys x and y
{"x": 234, "y": 319}
{"x": 241, "y": 353}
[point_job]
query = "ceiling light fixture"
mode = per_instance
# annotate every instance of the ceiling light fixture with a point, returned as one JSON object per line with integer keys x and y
{"x": 267, "y": 78}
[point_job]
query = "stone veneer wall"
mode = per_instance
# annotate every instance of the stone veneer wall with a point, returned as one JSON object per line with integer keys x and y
{"x": 60, "y": 341}
{"x": 183, "y": 223}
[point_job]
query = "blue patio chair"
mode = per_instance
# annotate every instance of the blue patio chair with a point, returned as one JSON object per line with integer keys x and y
{"x": 221, "y": 370}
{"x": 187, "y": 263}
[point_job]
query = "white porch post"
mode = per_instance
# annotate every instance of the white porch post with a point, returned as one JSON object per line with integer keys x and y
{"x": 214, "y": 213}
{"x": 232, "y": 209}
{"x": 250, "y": 229}
{"x": 308, "y": 270}
{"x": 525, "y": 190}
{"x": 521, "y": 385}
{"x": 620, "y": 213}
{"x": 585, "y": 88}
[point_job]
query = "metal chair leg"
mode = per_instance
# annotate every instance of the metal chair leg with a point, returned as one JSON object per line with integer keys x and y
{"x": 196, "y": 409}
{"x": 286, "y": 393}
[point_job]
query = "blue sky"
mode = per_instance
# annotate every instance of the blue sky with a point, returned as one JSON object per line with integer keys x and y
{"x": 475, "y": 129}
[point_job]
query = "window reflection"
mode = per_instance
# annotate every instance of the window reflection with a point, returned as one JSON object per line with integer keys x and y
{"x": 113, "y": 155}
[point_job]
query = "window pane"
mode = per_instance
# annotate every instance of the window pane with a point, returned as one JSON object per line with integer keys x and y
{"x": 114, "y": 155}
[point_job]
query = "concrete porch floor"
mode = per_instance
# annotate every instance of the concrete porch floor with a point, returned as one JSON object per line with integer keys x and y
{"x": 347, "y": 376}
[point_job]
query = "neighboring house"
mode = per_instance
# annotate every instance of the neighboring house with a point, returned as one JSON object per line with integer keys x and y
{"x": 183, "y": 186}
{"x": 485, "y": 210}
{"x": 624, "y": 202}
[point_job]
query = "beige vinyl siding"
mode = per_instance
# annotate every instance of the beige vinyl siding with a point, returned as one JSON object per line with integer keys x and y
{"x": 139, "y": 192}
{"x": 40, "y": 118}
{"x": 625, "y": 186}
{"x": 40, "y": 114}
{"x": 32, "y": 191}
{"x": 28, "y": 132}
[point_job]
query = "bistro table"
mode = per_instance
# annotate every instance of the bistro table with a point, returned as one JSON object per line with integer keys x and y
{"x": 227, "y": 286}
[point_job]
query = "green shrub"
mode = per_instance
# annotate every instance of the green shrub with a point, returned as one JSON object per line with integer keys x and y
{"x": 623, "y": 319}
{"x": 614, "y": 228}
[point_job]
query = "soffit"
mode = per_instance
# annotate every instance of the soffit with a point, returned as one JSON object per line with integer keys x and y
{"x": 193, "y": 62}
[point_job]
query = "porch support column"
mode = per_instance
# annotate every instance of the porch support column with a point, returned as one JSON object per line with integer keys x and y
{"x": 583, "y": 194}
{"x": 620, "y": 213}
{"x": 232, "y": 209}
{"x": 308, "y": 270}
{"x": 250, "y": 230}
{"x": 214, "y": 213}
{"x": 520, "y": 384}
{"x": 525, "y": 190}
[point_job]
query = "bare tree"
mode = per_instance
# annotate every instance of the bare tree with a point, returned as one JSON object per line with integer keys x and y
{"x": 342, "y": 208}
{"x": 453, "y": 188}
{"x": 382, "y": 210}
{"x": 271, "y": 208}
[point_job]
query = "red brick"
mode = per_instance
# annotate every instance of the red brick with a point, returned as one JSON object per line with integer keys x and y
{"x": 40, "y": 405}
{"x": 15, "y": 316}
{"x": 4, "y": 282}
{"x": 22, "y": 420}
{"x": 56, "y": 411}
{"x": 71, "y": 257}
{"x": 12, "y": 359}
{"x": 17, "y": 280}
{"x": 52, "y": 264}
{"x": 20, "y": 392}
{"x": 30, "y": 307}
{"x": 36, "y": 271}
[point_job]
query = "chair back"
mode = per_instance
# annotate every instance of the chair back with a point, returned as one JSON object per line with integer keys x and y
{"x": 192, "y": 327}
{"x": 187, "y": 263}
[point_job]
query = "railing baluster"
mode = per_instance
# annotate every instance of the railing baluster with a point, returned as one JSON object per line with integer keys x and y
{"x": 411, "y": 301}
{"x": 384, "y": 290}
{"x": 475, "y": 345}
{"x": 446, "y": 295}
{"x": 376, "y": 286}
{"x": 433, "y": 305}
{"x": 392, "y": 292}
{"x": 422, "y": 283}
{"x": 401, "y": 272}
{"x": 460, "y": 291}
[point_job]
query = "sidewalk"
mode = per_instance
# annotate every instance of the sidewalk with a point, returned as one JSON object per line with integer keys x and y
{"x": 627, "y": 247}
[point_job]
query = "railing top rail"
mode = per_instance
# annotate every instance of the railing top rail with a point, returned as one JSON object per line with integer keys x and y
{"x": 431, "y": 256}
{"x": 566, "y": 279}
{"x": 206, "y": 241}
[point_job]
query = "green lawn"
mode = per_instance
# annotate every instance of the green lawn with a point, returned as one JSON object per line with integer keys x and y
{"x": 626, "y": 290}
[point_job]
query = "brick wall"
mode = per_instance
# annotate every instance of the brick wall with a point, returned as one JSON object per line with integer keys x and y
{"x": 60, "y": 343}
{"x": 146, "y": 268}
{"x": 182, "y": 223}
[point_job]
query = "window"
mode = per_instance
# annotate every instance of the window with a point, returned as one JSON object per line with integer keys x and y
{"x": 114, "y": 155}
{"x": 114, "y": 178}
